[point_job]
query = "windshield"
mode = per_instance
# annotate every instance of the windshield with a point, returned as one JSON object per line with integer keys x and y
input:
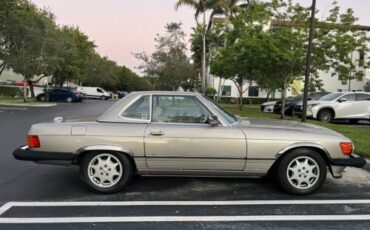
{"x": 230, "y": 118}
{"x": 330, "y": 96}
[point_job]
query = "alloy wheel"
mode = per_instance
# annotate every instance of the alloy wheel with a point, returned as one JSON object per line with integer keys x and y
{"x": 105, "y": 170}
{"x": 303, "y": 172}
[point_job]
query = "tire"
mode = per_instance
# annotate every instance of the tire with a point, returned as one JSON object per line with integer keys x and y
{"x": 353, "y": 121}
{"x": 97, "y": 173}
{"x": 69, "y": 99}
{"x": 42, "y": 98}
{"x": 103, "y": 98}
{"x": 325, "y": 115}
{"x": 294, "y": 176}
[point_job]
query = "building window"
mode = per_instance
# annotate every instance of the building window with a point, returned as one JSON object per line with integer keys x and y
{"x": 361, "y": 60}
{"x": 253, "y": 91}
{"x": 226, "y": 90}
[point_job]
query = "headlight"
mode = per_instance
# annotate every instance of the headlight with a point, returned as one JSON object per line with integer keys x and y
{"x": 311, "y": 105}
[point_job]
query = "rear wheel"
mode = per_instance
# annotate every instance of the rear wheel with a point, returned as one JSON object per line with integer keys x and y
{"x": 325, "y": 115}
{"x": 106, "y": 172}
{"x": 302, "y": 172}
{"x": 42, "y": 98}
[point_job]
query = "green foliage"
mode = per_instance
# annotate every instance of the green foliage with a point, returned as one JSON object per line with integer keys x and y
{"x": 211, "y": 91}
{"x": 6, "y": 91}
{"x": 32, "y": 44}
{"x": 168, "y": 64}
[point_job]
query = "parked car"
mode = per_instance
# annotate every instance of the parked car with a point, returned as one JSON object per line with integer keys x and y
{"x": 66, "y": 95}
{"x": 268, "y": 107}
{"x": 94, "y": 92}
{"x": 187, "y": 134}
{"x": 122, "y": 94}
{"x": 351, "y": 106}
{"x": 297, "y": 108}
{"x": 291, "y": 102}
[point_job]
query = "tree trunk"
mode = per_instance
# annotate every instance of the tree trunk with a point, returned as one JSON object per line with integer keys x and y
{"x": 268, "y": 95}
{"x": 24, "y": 91}
{"x": 283, "y": 96}
{"x": 30, "y": 84}
{"x": 240, "y": 96}
{"x": 219, "y": 91}
{"x": 2, "y": 68}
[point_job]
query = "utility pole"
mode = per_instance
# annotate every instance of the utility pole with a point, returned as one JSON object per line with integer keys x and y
{"x": 308, "y": 62}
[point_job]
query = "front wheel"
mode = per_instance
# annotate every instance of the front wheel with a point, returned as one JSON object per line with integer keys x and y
{"x": 325, "y": 115}
{"x": 69, "y": 99}
{"x": 106, "y": 172}
{"x": 302, "y": 172}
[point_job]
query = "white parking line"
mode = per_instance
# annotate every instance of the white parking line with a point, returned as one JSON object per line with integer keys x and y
{"x": 9, "y": 205}
{"x": 58, "y": 220}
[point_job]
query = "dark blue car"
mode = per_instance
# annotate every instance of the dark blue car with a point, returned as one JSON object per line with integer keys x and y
{"x": 66, "y": 95}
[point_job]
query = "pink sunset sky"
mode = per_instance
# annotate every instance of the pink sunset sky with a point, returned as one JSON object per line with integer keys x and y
{"x": 122, "y": 27}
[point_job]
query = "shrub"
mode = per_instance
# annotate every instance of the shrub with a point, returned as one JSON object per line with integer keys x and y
{"x": 210, "y": 91}
{"x": 9, "y": 91}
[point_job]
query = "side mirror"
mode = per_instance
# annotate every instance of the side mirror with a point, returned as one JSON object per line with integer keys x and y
{"x": 212, "y": 120}
{"x": 342, "y": 100}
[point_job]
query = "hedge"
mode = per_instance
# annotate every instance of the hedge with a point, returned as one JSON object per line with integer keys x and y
{"x": 9, "y": 91}
{"x": 246, "y": 100}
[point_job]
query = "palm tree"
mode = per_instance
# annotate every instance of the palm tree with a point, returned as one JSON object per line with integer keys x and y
{"x": 200, "y": 7}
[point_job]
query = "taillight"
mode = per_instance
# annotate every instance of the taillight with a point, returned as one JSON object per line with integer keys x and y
{"x": 346, "y": 147}
{"x": 33, "y": 141}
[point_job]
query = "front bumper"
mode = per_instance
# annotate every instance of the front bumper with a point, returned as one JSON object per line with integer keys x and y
{"x": 354, "y": 161}
{"x": 25, "y": 154}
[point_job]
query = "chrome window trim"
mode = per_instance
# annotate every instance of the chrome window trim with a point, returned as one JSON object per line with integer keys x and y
{"x": 214, "y": 112}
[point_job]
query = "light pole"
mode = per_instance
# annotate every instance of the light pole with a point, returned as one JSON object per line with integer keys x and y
{"x": 308, "y": 62}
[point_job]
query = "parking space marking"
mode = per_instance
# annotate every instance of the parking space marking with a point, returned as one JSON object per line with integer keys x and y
{"x": 58, "y": 220}
{"x": 9, "y": 205}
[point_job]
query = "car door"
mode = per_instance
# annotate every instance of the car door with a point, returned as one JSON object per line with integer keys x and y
{"x": 178, "y": 138}
{"x": 346, "y": 106}
{"x": 53, "y": 95}
{"x": 363, "y": 104}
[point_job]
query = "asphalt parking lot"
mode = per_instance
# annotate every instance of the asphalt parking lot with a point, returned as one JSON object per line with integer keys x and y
{"x": 36, "y": 196}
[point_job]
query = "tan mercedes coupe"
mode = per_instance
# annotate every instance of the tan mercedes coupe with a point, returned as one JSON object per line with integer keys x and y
{"x": 187, "y": 134}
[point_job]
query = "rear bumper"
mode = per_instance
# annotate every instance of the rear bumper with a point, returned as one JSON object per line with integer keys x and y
{"x": 25, "y": 154}
{"x": 354, "y": 161}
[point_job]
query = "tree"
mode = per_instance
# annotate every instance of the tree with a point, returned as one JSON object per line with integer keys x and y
{"x": 73, "y": 52}
{"x": 24, "y": 40}
{"x": 168, "y": 64}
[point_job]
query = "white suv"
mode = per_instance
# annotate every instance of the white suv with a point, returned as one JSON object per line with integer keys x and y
{"x": 352, "y": 106}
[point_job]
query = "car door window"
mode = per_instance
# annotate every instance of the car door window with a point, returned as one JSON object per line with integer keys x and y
{"x": 363, "y": 97}
{"x": 349, "y": 97}
{"x": 140, "y": 109}
{"x": 179, "y": 109}
{"x": 99, "y": 90}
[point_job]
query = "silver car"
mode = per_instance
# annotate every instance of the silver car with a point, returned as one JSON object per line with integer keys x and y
{"x": 186, "y": 134}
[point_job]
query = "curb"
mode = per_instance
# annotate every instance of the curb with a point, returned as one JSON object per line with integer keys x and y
{"x": 29, "y": 105}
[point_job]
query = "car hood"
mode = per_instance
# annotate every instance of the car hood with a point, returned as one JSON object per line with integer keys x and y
{"x": 293, "y": 126}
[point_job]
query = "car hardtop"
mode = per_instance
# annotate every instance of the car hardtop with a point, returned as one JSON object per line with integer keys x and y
{"x": 113, "y": 113}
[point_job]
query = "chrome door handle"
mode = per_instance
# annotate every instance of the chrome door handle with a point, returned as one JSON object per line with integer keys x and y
{"x": 156, "y": 133}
